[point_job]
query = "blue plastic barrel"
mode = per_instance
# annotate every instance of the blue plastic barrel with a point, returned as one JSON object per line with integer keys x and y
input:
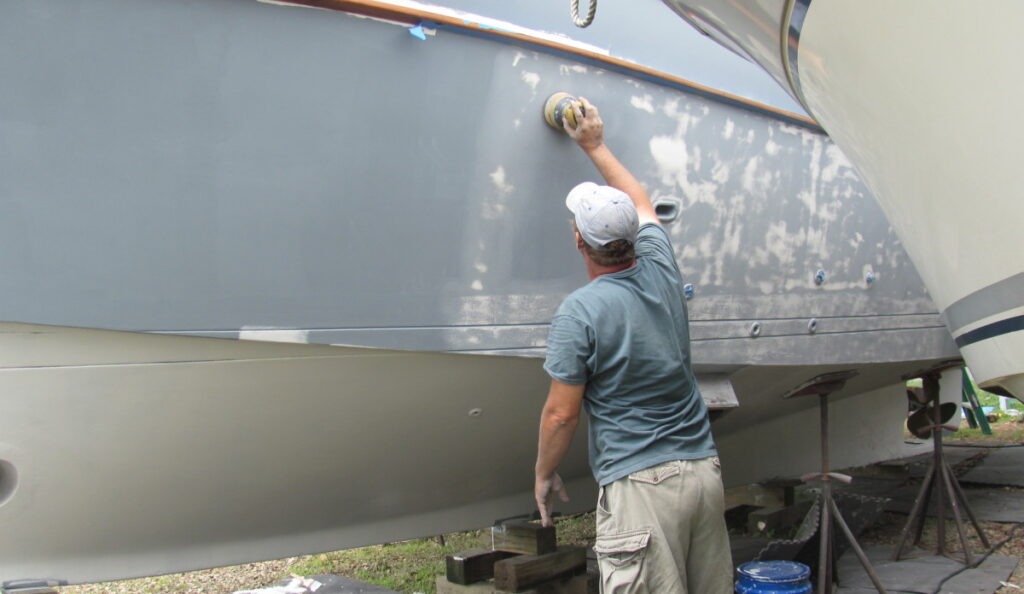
{"x": 763, "y": 577}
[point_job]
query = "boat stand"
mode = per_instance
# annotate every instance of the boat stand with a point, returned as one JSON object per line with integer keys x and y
{"x": 940, "y": 479}
{"x": 821, "y": 386}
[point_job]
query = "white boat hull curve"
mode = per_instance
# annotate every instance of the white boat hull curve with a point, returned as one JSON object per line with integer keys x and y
{"x": 930, "y": 116}
{"x": 919, "y": 96}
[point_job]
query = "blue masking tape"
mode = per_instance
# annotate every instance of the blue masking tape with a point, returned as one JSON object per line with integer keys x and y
{"x": 418, "y": 32}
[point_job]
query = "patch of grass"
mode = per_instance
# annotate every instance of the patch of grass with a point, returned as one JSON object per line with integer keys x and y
{"x": 967, "y": 433}
{"x": 577, "y": 530}
{"x": 409, "y": 566}
{"x": 163, "y": 583}
{"x": 1005, "y": 430}
{"x": 313, "y": 565}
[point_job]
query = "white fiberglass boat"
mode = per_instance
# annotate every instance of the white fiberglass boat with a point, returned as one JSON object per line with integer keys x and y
{"x": 918, "y": 95}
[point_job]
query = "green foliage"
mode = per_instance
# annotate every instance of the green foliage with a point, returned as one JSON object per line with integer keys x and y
{"x": 1005, "y": 429}
{"x": 967, "y": 433}
{"x": 312, "y": 565}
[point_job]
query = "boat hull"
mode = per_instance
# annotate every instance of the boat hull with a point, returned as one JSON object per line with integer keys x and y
{"x": 125, "y": 455}
{"x": 195, "y": 180}
{"x": 171, "y": 459}
{"x": 936, "y": 135}
{"x": 931, "y": 129}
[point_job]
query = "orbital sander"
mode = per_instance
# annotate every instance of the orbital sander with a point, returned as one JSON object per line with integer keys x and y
{"x": 558, "y": 110}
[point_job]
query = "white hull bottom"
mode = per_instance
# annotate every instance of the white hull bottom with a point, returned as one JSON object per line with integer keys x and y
{"x": 942, "y": 181}
{"x": 863, "y": 430}
{"x": 126, "y": 454}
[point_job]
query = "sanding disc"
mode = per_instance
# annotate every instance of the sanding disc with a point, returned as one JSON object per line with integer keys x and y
{"x": 558, "y": 109}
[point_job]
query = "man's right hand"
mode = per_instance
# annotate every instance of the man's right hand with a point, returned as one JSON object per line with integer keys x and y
{"x": 589, "y": 129}
{"x": 545, "y": 490}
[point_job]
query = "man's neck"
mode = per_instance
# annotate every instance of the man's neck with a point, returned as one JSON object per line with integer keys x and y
{"x": 596, "y": 270}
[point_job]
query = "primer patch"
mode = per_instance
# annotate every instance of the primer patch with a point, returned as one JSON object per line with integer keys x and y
{"x": 530, "y": 78}
{"x": 645, "y": 103}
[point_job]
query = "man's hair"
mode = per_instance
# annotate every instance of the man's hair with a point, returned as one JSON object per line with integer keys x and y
{"x": 614, "y": 253}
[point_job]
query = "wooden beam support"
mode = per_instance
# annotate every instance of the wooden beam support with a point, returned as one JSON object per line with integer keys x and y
{"x": 584, "y": 583}
{"x": 474, "y": 565}
{"x": 519, "y": 573}
{"x": 528, "y": 538}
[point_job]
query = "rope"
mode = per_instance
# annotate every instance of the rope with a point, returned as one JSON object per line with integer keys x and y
{"x": 575, "y": 7}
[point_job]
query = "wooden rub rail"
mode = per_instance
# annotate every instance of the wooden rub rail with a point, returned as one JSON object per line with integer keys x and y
{"x": 524, "y": 559}
{"x": 414, "y": 16}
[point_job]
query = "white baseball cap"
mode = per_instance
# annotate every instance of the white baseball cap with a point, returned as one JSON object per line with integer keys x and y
{"x": 603, "y": 214}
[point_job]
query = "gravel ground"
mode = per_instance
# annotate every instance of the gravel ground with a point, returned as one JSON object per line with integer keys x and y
{"x": 222, "y": 580}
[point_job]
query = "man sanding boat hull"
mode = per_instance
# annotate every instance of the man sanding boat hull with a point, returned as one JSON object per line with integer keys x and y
{"x": 620, "y": 347}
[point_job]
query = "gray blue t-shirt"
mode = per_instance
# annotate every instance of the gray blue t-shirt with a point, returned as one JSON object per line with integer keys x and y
{"x": 626, "y": 336}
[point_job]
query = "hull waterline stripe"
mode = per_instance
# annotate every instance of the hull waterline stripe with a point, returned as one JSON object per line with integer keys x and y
{"x": 1015, "y": 324}
{"x": 411, "y": 16}
{"x": 994, "y": 299}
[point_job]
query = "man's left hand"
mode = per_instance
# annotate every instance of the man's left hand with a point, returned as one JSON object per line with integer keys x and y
{"x": 544, "y": 491}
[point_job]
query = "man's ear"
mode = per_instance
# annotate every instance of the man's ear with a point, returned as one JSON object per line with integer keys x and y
{"x": 579, "y": 241}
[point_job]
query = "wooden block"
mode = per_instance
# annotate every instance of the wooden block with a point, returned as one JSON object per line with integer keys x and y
{"x": 519, "y": 573}
{"x": 528, "y": 538}
{"x": 584, "y": 583}
{"x": 446, "y": 587}
{"x": 474, "y": 565}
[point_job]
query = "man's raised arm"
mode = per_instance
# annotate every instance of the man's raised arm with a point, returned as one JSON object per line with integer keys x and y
{"x": 589, "y": 134}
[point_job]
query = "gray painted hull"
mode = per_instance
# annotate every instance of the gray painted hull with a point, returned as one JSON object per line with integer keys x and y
{"x": 233, "y": 170}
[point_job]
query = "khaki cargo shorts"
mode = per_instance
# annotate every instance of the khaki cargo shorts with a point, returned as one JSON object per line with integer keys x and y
{"x": 662, "y": 531}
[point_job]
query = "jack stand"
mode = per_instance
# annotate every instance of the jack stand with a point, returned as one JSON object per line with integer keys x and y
{"x": 939, "y": 473}
{"x": 821, "y": 386}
